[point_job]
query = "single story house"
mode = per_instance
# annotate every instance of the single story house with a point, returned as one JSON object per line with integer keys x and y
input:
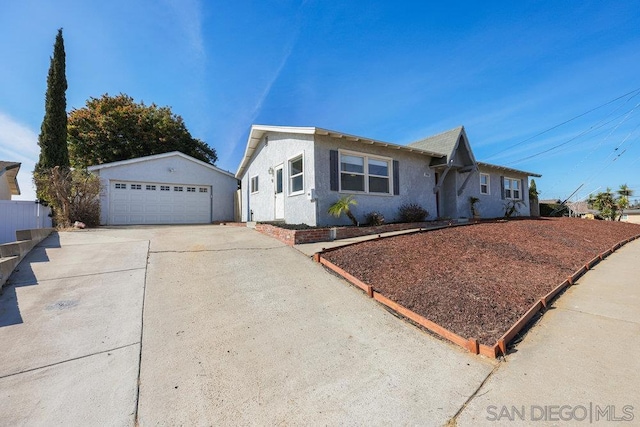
{"x": 631, "y": 215}
{"x": 9, "y": 179}
{"x": 294, "y": 174}
{"x": 580, "y": 209}
{"x": 168, "y": 188}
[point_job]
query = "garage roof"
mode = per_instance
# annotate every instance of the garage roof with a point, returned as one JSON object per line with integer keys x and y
{"x": 11, "y": 170}
{"x": 157, "y": 156}
{"x": 258, "y": 131}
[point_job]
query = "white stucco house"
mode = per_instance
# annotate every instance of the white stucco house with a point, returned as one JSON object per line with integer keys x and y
{"x": 294, "y": 174}
{"x": 9, "y": 179}
{"x": 168, "y": 188}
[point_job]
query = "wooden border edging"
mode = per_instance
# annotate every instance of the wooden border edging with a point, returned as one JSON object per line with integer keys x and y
{"x": 354, "y": 280}
{"x": 422, "y": 321}
{"x": 517, "y": 327}
{"x": 471, "y": 344}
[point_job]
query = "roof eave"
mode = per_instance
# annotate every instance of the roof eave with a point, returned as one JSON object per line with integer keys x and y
{"x": 155, "y": 157}
{"x": 536, "y": 175}
{"x": 258, "y": 131}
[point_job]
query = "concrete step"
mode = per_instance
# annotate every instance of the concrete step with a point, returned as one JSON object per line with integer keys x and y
{"x": 20, "y": 248}
{"x": 37, "y": 234}
{"x": 6, "y": 268}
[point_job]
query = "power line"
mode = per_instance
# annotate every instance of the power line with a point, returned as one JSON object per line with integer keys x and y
{"x": 635, "y": 91}
{"x": 592, "y": 128}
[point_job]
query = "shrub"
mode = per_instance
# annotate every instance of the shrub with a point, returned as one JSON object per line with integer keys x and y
{"x": 412, "y": 212}
{"x": 343, "y": 206}
{"x": 374, "y": 218}
{"x": 72, "y": 194}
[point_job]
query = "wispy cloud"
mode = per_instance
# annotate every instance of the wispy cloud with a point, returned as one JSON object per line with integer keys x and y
{"x": 188, "y": 17}
{"x": 256, "y": 109}
{"x": 20, "y": 144}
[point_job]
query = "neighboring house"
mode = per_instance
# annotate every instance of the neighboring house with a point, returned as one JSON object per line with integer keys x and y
{"x": 631, "y": 215}
{"x": 294, "y": 174}
{"x": 581, "y": 209}
{"x": 9, "y": 179}
{"x": 168, "y": 188}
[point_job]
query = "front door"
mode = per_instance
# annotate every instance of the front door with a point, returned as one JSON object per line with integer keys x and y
{"x": 279, "y": 193}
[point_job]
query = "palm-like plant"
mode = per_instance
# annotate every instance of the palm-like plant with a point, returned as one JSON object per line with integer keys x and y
{"x": 605, "y": 203}
{"x": 343, "y": 206}
{"x": 624, "y": 192}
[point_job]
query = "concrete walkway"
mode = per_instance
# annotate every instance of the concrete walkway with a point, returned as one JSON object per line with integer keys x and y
{"x": 584, "y": 353}
{"x": 311, "y": 248}
{"x": 214, "y": 325}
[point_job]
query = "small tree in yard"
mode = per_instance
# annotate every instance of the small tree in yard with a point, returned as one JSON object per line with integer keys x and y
{"x": 624, "y": 193}
{"x": 343, "y": 206}
{"x": 74, "y": 193}
{"x": 53, "y": 132}
{"x": 533, "y": 190}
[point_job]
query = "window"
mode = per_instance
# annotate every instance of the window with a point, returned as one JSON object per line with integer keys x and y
{"x": 254, "y": 184}
{"x": 203, "y": 189}
{"x": 165, "y": 188}
{"x": 151, "y": 187}
{"x": 512, "y": 188}
{"x": 296, "y": 176}
{"x": 378, "y": 176}
{"x": 191, "y": 189}
{"x": 136, "y": 186}
{"x": 121, "y": 186}
{"x": 279, "y": 180}
{"x": 177, "y": 188}
{"x": 484, "y": 184}
{"x": 364, "y": 174}
{"x": 351, "y": 173}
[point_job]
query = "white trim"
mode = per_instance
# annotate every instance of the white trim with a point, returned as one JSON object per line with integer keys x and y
{"x": 509, "y": 170}
{"x": 257, "y": 177}
{"x": 519, "y": 181}
{"x": 156, "y": 157}
{"x": 365, "y": 173}
{"x": 257, "y": 132}
{"x": 488, "y": 193}
{"x": 275, "y": 178}
{"x": 290, "y": 177}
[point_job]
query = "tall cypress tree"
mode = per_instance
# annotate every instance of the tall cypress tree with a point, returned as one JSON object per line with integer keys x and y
{"x": 53, "y": 132}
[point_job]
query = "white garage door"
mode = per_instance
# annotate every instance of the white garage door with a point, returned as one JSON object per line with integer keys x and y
{"x": 157, "y": 203}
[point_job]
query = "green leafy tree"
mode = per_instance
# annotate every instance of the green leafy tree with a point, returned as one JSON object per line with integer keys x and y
{"x": 343, "y": 207}
{"x": 113, "y": 128}
{"x": 53, "y": 132}
{"x": 533, "y": 190}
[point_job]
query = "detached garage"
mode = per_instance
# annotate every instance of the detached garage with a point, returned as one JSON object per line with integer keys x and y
{"x": 168, "y": 188}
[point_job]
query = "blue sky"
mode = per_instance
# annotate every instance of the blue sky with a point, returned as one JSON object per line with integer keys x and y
{"x": 390, "y": 71}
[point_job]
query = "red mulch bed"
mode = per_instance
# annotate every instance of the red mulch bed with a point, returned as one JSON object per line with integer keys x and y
{"x": 478, "y": 280}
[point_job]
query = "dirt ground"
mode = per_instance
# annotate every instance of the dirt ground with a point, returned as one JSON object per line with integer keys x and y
{"x": 478, "y": 280}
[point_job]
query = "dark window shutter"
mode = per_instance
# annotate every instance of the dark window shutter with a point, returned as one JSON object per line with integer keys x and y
{"x": 502, "y": 186}
{"x": 334, "y": 174}
{"x": 396, "y": 178}
{"x": 521, "y": 189}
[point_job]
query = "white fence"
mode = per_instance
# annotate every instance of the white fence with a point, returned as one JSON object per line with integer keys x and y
{"x": 21, "y": 215}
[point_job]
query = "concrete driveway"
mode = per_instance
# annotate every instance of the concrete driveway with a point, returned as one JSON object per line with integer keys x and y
{"x": 213, "y": 325}
{"x": 218, "y": 326}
